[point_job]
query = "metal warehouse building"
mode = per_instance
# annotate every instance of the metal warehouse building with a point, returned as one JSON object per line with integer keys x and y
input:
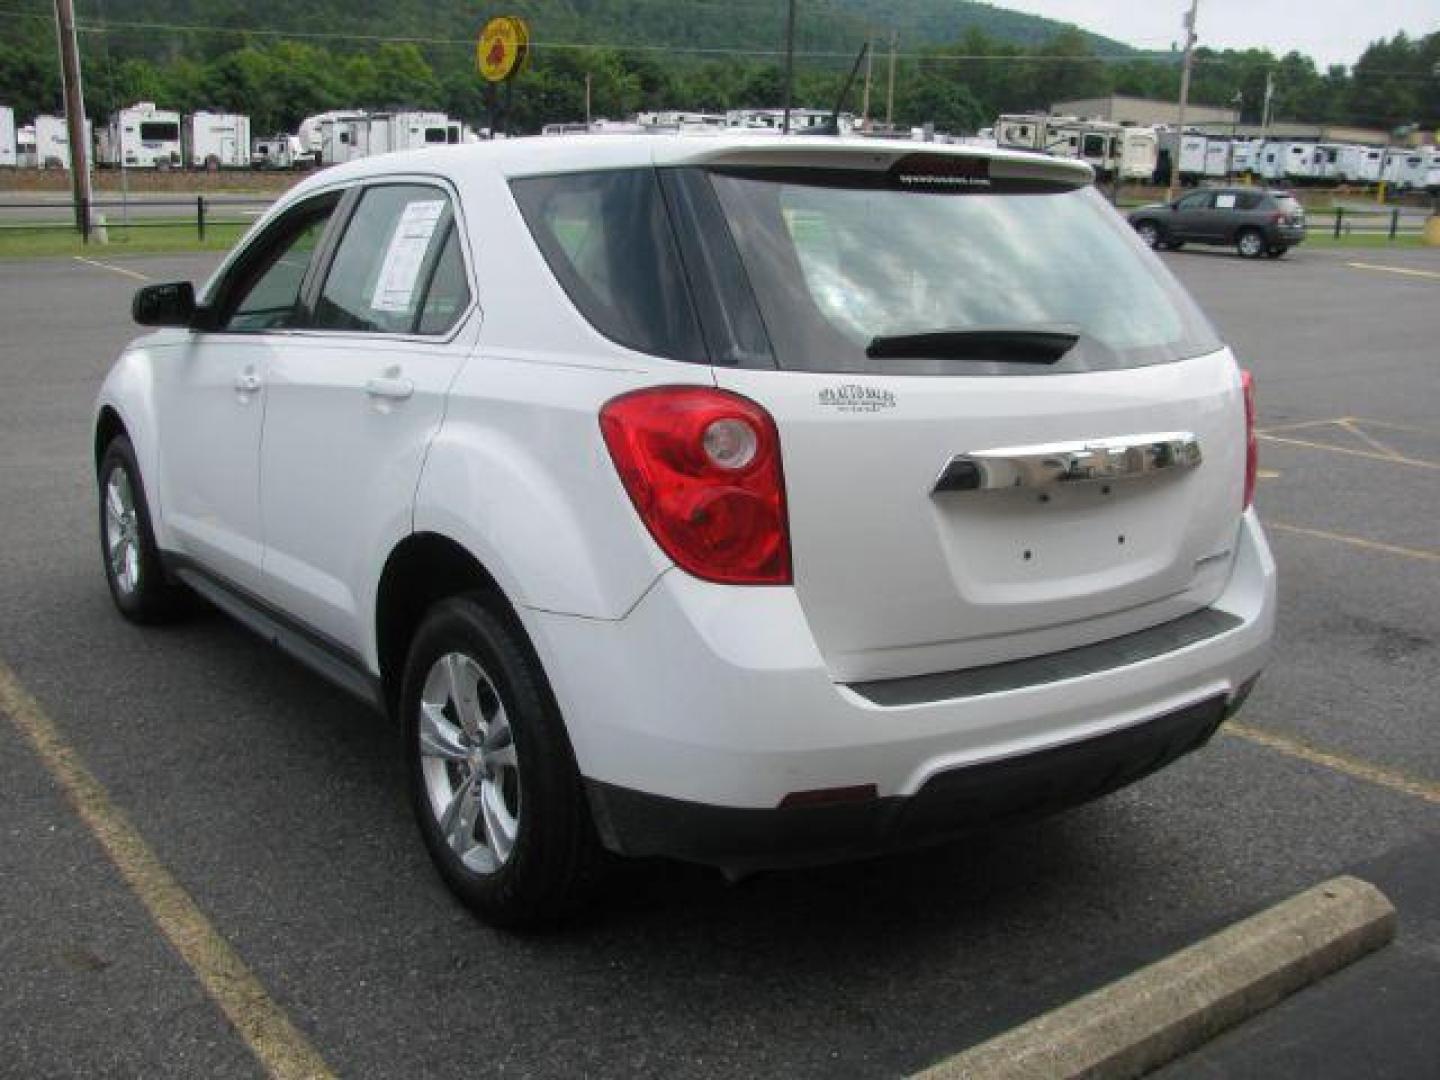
{"x": 1144, "y": 112}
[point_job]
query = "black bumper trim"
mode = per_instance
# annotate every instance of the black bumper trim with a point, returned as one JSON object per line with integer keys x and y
{"x": 1053, "y": 667}
{"x": 950, "y": 804}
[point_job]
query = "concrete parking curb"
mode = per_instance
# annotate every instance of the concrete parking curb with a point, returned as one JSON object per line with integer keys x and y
{"x": 1160, "y": 1012}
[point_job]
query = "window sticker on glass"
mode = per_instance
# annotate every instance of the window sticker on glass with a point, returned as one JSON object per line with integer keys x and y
{"x": 395, "y": 287}
{"x": 1224, "y": 202}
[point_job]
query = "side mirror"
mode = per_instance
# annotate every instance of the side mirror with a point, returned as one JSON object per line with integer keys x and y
{"x": 172, "y": 304}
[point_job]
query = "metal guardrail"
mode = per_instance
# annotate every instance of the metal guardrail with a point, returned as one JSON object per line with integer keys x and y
{"x": 205, "y": 211}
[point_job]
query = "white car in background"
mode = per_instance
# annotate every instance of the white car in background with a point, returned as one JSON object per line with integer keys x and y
{"x": 744, "y": 500}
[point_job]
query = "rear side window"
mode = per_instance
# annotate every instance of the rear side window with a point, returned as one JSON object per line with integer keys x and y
{"x": 1249, "y": 200}
{"x": 378, "y": 280}
{"x": 607, "y": 239}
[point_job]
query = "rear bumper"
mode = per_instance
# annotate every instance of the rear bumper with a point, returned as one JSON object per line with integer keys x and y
{"x": 1287, "y": 235}
{"x": 696, "y": 715}
{"x": 949, "y": 804}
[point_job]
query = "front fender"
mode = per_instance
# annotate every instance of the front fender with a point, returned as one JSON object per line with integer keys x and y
{"x": 129, "y": 392}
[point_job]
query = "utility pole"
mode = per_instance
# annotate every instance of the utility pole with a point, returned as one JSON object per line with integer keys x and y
{"x": 1184, "y": 100}
{"x": 865, "y": 102}
{"x": 789, "y": 64}
{"x": 1266, "y": 114}
{"x": 587, "y": 101}
{"x": 890, "y": 88}
{"x": 74, "y": 114}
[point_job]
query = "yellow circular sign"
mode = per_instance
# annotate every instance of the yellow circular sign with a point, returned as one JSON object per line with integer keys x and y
{"x": 501, "y": 50}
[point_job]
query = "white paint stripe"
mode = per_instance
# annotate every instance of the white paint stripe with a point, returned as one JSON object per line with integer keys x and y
{"x": 116, "y": 269}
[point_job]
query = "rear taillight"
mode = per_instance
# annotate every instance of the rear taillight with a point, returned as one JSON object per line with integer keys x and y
{"x": 702, "y": 467}
{"x": 1278, "y": 218}
{"x": 1252, "y": 450}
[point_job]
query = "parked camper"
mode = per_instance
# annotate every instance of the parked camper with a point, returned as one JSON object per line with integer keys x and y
{"x": 1360, "y": 164}
{"x": 216, "y": 141}
{"x": 278, "y": 152}
{"x": 1139, "y": 153}
{"x": 1192, "y": 156}
{"x": 311, "y": 133}
{"x": 143, "y": 137}
{"x": 1299, "y": 161}
{"x": 52, "y": 142}
{"x": 1217, "y": 159}
{"x": 344, "y": 137}
{"x": 25, "y": 147}
{"x": 9, "y": 150}
{"x": 1245, "y": 156}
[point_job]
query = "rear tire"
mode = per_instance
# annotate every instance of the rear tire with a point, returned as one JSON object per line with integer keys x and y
{"x": 139, "y": 586}
{"x": 1149, "y": 233}
{"x": 493, "y": 780}
{"x": 1250, "y": 243}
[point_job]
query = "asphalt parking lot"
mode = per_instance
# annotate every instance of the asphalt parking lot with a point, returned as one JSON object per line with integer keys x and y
{"x": 277, "y": 804}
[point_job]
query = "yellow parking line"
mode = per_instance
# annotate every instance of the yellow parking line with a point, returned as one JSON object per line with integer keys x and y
{"x": 114, "y": 269}
{"x": 1297, "y": 425}
{"x": 1412, "y": 428}
{"x": 1356, "y": 541}
{"x": 1427, "y": 790}
{"x": 1392, "y": 458}
{"x": 1395, "y": 270}
{"x": 1370, "y": 440}
{"x": 281, "y": 1048}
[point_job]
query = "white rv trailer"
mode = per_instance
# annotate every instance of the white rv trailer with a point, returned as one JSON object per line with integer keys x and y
{"x": 9, "y": 149}
{"x": 1139, "y": 153}
{"x": 311, "y": 131}
{"x": 1108, "y": 147}
{"x": 1359, "y": 164}
{"x": 1326, "y": 161}
{"x": 413, "y": 130}
{"x": 1191, "y": 158}
{"x": 278, "y": 152}
{"x": 25, "y": 147}
{"x": 1244, "y": 156}
{"x": 143, "y": 137}
{"x": 343, "y": 138}
{"x": 216, "y": 140}
{"x": 1298, "y": 161}
{"x": 1217, "y": 159}
{"x": 801, "y": 120}
{"x": 52, "y": 141}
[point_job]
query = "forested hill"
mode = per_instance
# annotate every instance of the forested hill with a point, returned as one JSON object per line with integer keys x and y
{"x": 823, "y": 25}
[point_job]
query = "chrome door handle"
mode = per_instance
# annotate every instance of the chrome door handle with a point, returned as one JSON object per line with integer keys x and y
{"x": 395, "y": 389}
{"x": 247, "y": 382}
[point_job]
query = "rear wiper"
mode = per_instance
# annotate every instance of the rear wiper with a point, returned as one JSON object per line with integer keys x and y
{"x": 1017, "y": 344}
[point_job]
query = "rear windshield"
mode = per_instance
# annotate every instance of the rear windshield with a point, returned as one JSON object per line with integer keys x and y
{"x": 836, "y": 264}
{"x": 807, "y": 270}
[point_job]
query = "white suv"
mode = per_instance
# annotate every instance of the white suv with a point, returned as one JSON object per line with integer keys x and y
{"x": 746, "y": 500}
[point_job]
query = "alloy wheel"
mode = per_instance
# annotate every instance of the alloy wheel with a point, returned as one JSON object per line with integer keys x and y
{"x": 469, "y": 763}
{"x": 122, "y": 532}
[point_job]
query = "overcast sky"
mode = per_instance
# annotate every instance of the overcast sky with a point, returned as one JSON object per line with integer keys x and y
{"x": 1331, "y": 31}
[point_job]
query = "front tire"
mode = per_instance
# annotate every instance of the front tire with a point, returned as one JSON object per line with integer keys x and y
{"x": 1149, "y": 233}
{"x": 493, "y": 780}
{"x": 1250, "y": 244}
{"x": 139, "y": 586}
